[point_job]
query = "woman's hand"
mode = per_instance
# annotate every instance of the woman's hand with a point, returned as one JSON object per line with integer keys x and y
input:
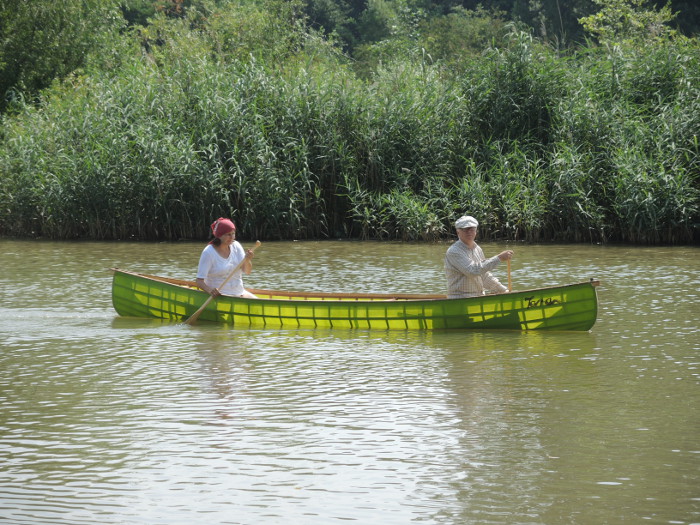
{"x": 211, "y": 290}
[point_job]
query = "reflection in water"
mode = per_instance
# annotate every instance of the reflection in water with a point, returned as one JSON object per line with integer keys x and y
{"x": 112, "y": 420}
{"x": 313, "y": 434}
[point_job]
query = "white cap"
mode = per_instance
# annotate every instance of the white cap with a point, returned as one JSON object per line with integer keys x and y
{"x": 466, "y": 221}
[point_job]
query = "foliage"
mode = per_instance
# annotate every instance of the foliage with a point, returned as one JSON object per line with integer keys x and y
{"x": 270, "y": 31}
{"x": 249, "y": 113}
{"x": 44, "y": 40}
{"x": 391, "y": 30}
{"x": 336, "y": 17}
{"x": 137, "y": 12}
{"x": 627, "y": 22}
{"x": 461, "y": 35}
{"x": 512, "y": 97}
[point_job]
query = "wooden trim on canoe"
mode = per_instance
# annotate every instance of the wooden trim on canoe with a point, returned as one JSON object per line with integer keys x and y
{"x": 176, "y": 282}
{"x": 295, "y": 295}
{"x": 338, "y": 295}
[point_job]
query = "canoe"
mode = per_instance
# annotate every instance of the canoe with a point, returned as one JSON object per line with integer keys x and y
{"x": 568, "y": 307}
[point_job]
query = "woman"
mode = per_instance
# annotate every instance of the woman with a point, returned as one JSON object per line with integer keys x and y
{"x": 218, "y": 260}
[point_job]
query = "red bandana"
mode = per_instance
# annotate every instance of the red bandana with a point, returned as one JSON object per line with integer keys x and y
{"x": 222, "y": 226}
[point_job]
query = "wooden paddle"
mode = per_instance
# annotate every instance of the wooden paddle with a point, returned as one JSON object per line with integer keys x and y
{"x": 196, "y": 315}
{"x": 510, "y": 283}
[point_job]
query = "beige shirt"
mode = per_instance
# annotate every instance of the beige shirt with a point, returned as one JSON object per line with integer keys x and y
{"x": 468, "y": 272}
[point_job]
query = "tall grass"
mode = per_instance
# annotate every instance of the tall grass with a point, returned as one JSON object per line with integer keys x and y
{"x": 589, "y": 148}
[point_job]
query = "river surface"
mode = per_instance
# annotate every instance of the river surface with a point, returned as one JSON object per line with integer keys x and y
{"x": 109, "y": 420}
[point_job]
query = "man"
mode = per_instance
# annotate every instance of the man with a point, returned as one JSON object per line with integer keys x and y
{"x": 468, "y": 271}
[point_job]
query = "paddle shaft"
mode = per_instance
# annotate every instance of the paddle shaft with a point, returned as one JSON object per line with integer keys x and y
{"x": 510, "y": 283}
{"x": 196, "y": 315}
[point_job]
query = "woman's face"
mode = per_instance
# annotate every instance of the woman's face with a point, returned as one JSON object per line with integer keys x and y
{"x": 228, "y": 238}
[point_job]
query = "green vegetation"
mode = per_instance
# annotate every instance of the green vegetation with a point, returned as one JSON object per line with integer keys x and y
{"x": 244, "y": 109}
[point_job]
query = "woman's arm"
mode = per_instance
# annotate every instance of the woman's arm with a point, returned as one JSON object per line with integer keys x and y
{"x": 205, "y": 262}
{"x": 248, "y": 262}
{"x": 209, "y": 289}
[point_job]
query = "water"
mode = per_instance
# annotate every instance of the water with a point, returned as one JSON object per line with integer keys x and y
{"x": 130, "y": 421}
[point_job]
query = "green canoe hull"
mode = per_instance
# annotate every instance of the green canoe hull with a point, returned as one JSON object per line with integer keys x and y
{"x": 570, "y": 307}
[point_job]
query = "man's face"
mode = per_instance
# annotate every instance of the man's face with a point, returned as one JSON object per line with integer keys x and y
{"x": 466, "y": 235}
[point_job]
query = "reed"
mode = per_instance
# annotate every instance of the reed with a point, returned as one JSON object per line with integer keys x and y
{"x": 589, "y": 148}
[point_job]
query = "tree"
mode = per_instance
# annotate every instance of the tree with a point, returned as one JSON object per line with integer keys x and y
{"x": 554, "y": 20}
{"x": 461, "y": 35}
{"x": 41, "y": 40}
{"x": 336, "y": 16}
{"x": 627, "y": 21}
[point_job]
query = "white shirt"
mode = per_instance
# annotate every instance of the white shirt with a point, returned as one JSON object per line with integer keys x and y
{"x": 214, "y": 269}
{"x": 468, "y": 271}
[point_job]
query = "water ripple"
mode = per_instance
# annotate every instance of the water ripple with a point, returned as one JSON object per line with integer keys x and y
{"x": 128, "y": 421}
